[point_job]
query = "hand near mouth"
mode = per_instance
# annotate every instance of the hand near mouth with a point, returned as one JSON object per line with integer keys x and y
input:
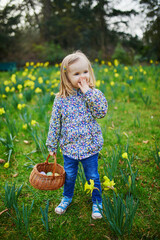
{"x": 83, "y": 85}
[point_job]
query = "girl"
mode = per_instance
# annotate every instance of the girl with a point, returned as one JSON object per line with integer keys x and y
{"x": 73, "y": 124}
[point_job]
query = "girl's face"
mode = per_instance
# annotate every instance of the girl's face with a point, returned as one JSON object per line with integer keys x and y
{"x": 78, "y": 71}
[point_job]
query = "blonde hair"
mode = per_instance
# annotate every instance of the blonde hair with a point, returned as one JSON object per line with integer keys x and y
{"x": 66, "y": 87}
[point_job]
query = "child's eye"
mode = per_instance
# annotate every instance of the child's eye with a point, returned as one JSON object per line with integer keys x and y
{"x": 76, "y": 74}
{"x": 86, "y": 71}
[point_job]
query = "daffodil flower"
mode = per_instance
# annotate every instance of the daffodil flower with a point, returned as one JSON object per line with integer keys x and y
{"x": 158, "y": 154}
{"x": 33, "y": 122}
{"x": 6, "y": 165}
{"x": 112, "y": 83}
{"x": 24, "y": 126}
{"x": 2, "y": 111}
{"x": 90, "y": 187}
{"x": 108, "y": 184}
{"x": 125, "y": 155}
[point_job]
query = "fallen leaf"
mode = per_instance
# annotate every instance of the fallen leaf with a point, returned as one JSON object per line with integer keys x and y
{"x": 2, "y": 160}
{"x": 15, "y": 175}
{"x": 147, "y": 141}
{"x": 116, "y": 108}
{"x": 26, "y": 142}
{"x": 92, "y": 224}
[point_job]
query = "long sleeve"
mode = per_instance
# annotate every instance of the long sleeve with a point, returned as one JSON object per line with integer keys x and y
{"x": 55, "y": 127}
{"x": 96, "y": 102}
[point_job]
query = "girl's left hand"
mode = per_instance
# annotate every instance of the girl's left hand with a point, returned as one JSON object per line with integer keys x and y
{"x": 83, "y": 85}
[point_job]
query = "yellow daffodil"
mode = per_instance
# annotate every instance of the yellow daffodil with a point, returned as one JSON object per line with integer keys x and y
{"x": 6, "y": 83}
{"x": 4, "y": 96}
{"x": 54, "y": 80}
{"x": 27, "y": 64}
{"x": 116, "y": 75}
{"x": 116, "y": 62}
{"x": 112, "y": 83}
{"x": 38, "y": 90}
{"x": 130, "y": 77}
{"x": 32, "y": 63}
{"x": 24, "y": 74}
{"x": 46, "y": 64}
{"x": 24, "y": 126}
{"x": 96, "y": 60}
{"x": 12, "y": 89}
{"x": 20, "y": 96}
{"x": 2, "y": 111}
{"x": 103, "y": 62}
{"x": 106, "y": 70}
{"x": 108, "y": 184}
{"x": 98, "y": 82}
{"x": 13, "y": 78}
{"x": 47, "y": 81}
{"x": 125, "y": 68}
{"x": 51, "y": 93}
{"x": 109, "y": 64}
{"x": 19, "y": 87}
{"x": 151, "y": 61}
{"x": 56, "y": 65}
{"x": 7, "y": 89}
{"x": 89, "y": 187}
{"x": 6, "y": 165}
{"x": 20, "y": 106}
{"x": 125, "y": 155}
{"x": 159, "y": 154}
{"x": 33, "y": 122}
{"x": 40, "y": 80}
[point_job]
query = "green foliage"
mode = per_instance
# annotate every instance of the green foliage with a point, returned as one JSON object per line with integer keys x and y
{"x": 49, "y": 51}
{"x": 119, "y": 214}
{"x": 121, "y": 54}
{"x": 45, "y": 217}
{"x": 128, "y": 123}
{"x": 11, "y": 195}
{"x": 81, "y": 179}
{"x": 156, "y": 155}
{"x": 111, "y": 163}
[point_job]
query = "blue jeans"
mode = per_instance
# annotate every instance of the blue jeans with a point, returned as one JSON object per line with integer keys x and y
{"x": 90, "y": 166}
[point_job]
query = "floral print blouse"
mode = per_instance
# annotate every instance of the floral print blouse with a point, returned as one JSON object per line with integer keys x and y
{"x": 73, "y": 124}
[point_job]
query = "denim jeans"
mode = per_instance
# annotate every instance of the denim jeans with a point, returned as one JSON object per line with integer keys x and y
{"x": 90, "y": 166}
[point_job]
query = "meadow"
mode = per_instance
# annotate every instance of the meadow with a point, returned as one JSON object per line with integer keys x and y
{"x": 129, "y": 163}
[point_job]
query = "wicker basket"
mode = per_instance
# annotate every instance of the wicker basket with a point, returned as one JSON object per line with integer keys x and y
{"x": 44, "y": 182}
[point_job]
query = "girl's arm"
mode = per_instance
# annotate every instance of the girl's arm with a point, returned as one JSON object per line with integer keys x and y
{"x": 96, "y": 102}
{"x": 55, "y": 127}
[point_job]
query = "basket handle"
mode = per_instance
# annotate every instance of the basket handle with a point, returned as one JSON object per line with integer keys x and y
{"x": 55, "y": 163}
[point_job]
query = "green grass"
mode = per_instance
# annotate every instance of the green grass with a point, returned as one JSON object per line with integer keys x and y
{"x": 132, "y": 121}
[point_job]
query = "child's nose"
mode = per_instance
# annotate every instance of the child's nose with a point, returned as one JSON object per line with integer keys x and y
{"x": 82, "y": 76}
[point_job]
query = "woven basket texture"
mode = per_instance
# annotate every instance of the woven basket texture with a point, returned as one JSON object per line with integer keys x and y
{"x": 44, "y": 182}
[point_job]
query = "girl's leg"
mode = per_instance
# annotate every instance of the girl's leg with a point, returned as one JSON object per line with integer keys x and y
{"x": 90, "y": 166}
{"x": 71, "y": 169}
